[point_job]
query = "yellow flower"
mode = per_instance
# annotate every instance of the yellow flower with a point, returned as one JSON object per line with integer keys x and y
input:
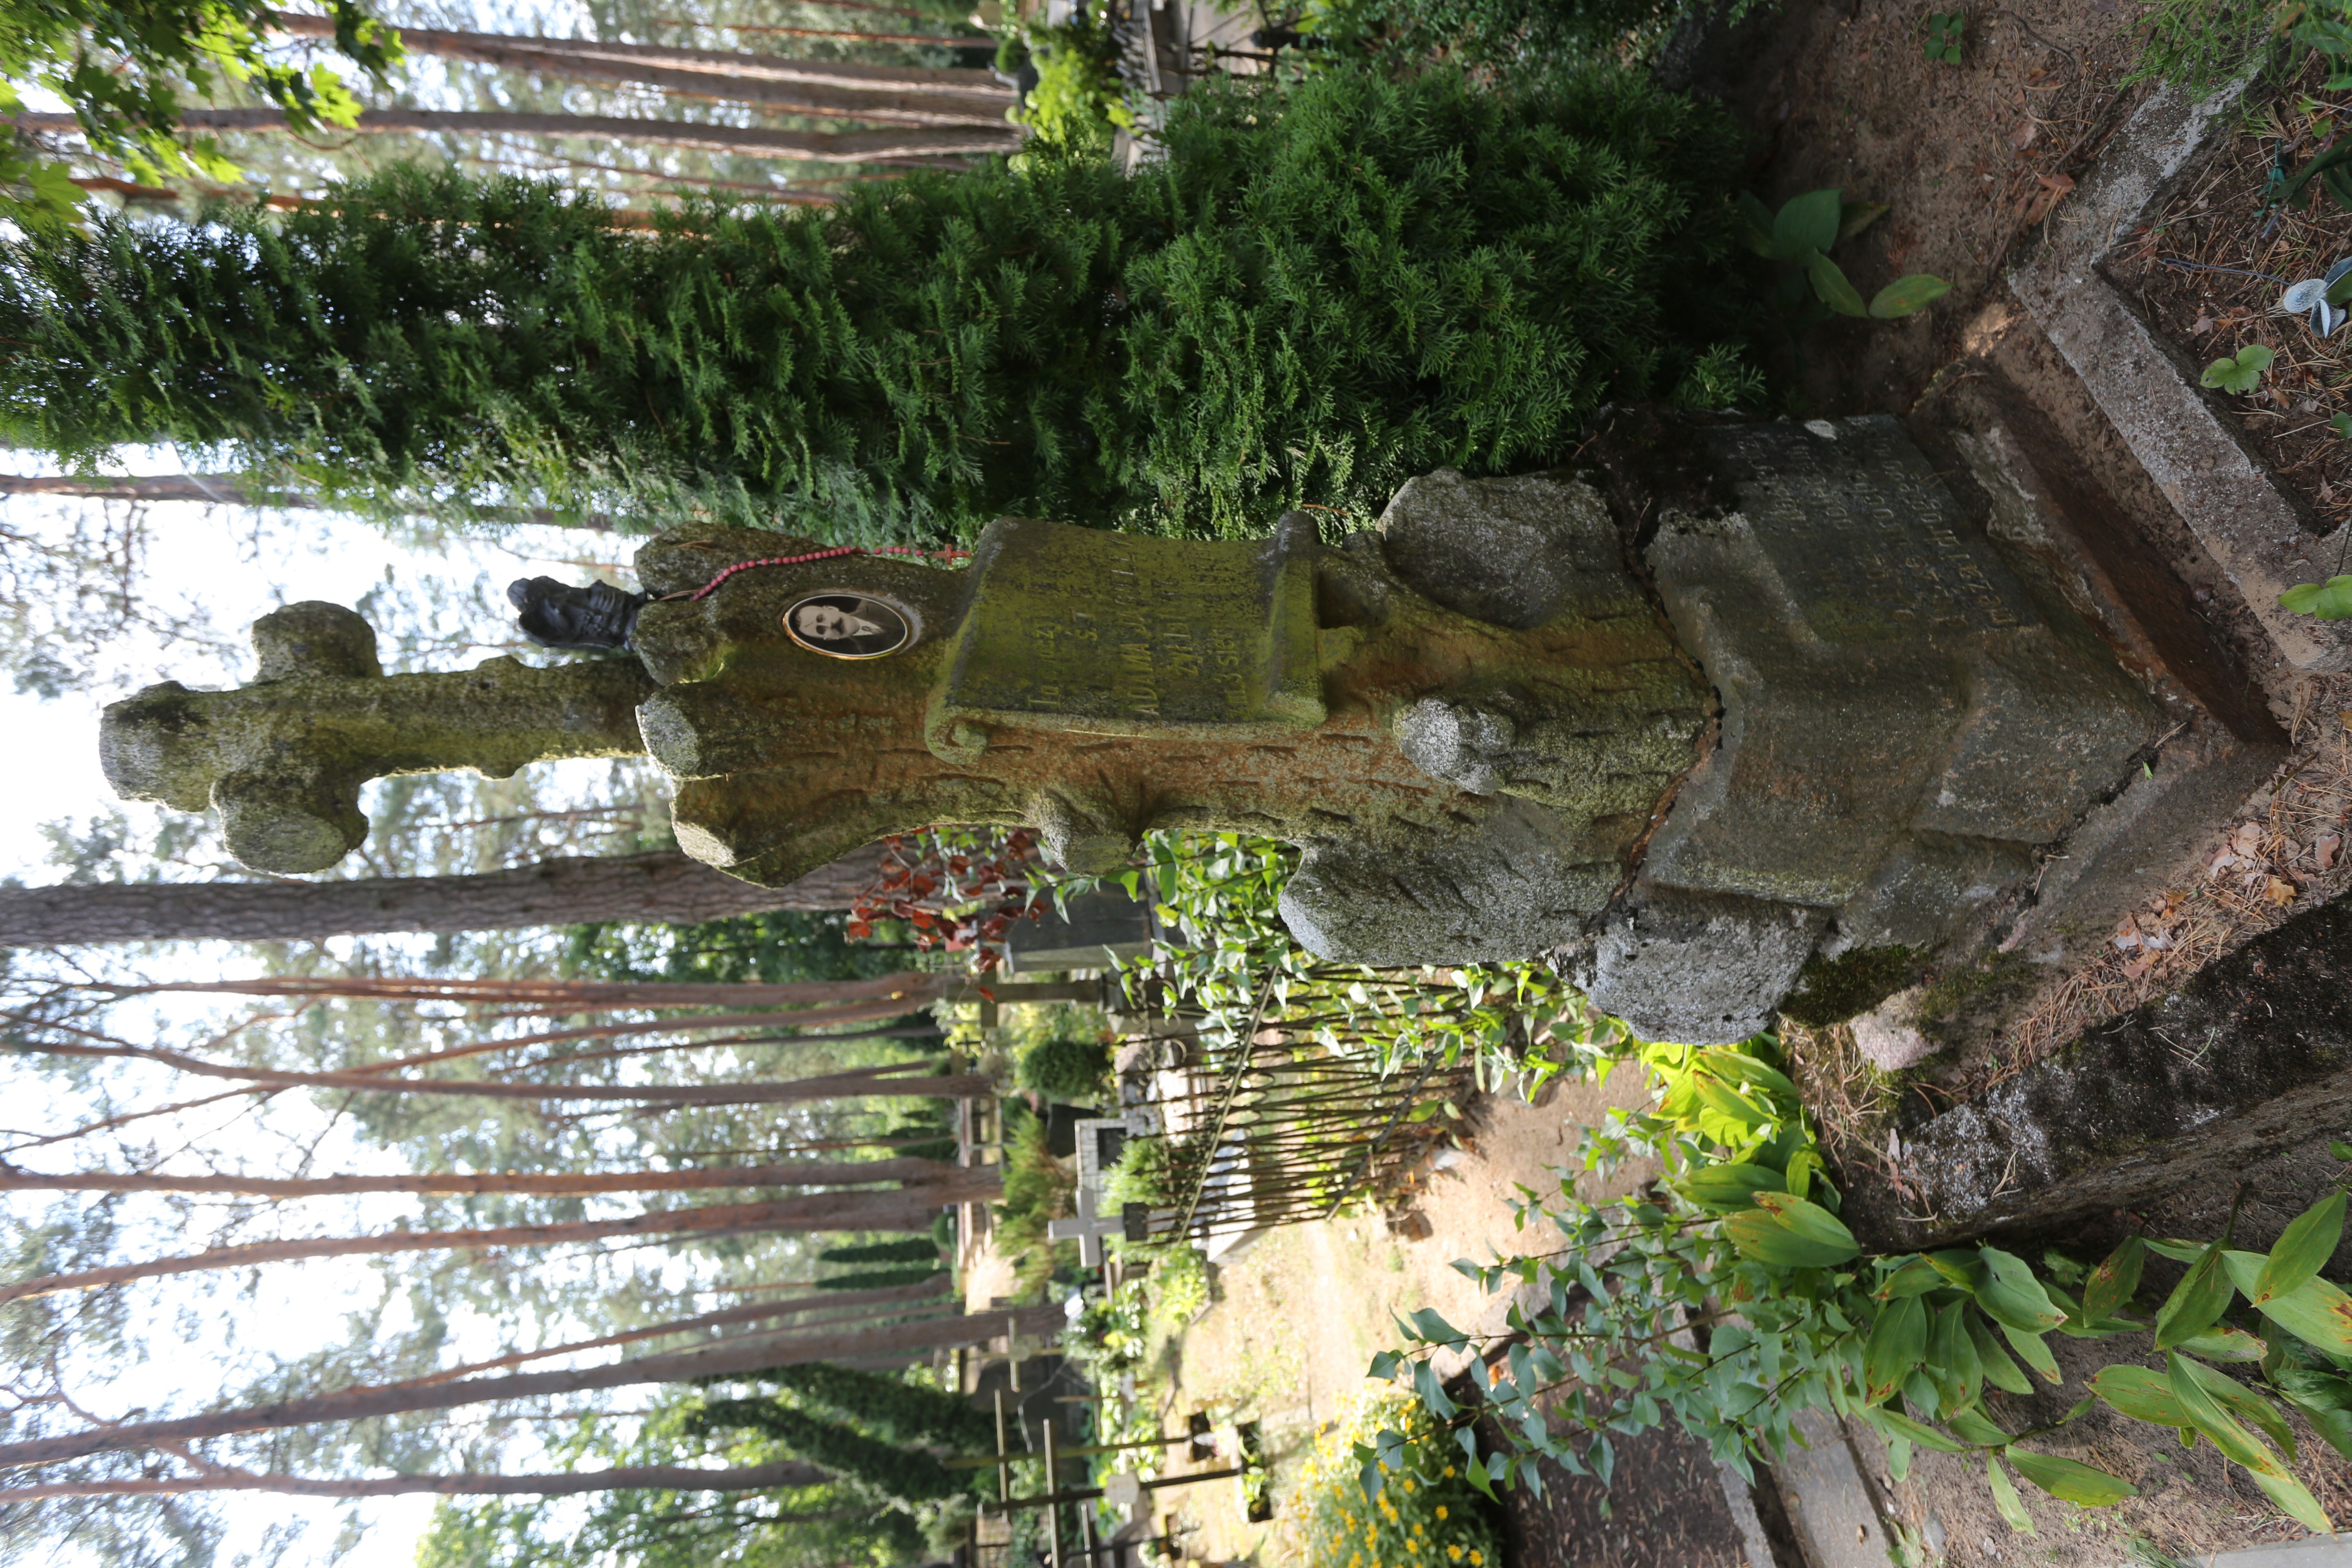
{"x": 1449, "y": 1472}
{"x": 1478, "y": 1558}
{"x": 1455, "y": 1553}
{"x": 1441, "y": 1510}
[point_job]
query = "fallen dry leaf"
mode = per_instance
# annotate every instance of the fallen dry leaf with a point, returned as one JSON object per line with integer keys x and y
{"x": 2053, "y": 190}
{"x": 2022, "y": 137}
{"x": 2280, "y": 893}
{"x": 2247, "y": 840}
{"x": 2325, "y": 848}
{"x": 2203, "y": 324}
{"x": 2137, "y": 967}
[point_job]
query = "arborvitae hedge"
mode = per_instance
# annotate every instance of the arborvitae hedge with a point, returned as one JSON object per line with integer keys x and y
{"x": 1315, "y": 294}
{"x": 881, "y": 1278}
{"x": 904, "y": 1474}
{"x": 906, "y": 1249}
{"x": 889, "y": 1407}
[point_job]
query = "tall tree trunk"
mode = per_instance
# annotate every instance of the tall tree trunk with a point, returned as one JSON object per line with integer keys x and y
{"x": 213, "y": 489}
{"x": 842, "y": 90}
{"x": 953, "y": 141}
{"x": 661, "y": 889}
{"x": 359, "y": 1404}
{"x": 944, "y": 40}
{"x": 664, "y": 1478}
{"x": 914, "y": 987}
{"x": 226, "y": 490}
{"x": 905, "y": 1208}
{"x": 800, "y": 1174}
{"x": 898, "y": 1079}
{"x": 860, "y": 1302}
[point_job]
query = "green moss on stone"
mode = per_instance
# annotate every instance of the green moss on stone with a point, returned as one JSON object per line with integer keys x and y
{"x": 1832, "y": 990}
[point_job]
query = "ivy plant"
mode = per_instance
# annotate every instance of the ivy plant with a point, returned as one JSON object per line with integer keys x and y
{"x": 1799, "y": 236}
{"x": 1732, "y": 1298}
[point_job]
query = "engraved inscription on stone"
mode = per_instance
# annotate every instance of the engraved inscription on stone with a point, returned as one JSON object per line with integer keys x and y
{"x": 1080, "y": 629}
{"x": 1865, "y": 536}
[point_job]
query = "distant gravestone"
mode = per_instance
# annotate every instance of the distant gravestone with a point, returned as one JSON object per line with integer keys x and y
{"x": 1091, "y": 930}
{"x": 1757, "y": 691}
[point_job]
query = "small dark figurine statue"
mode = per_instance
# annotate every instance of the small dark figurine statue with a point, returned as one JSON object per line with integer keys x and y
{"x": 559, "y": 614}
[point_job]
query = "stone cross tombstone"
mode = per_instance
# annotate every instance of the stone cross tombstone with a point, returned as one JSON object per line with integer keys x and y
{"x": 1751, "y": 691}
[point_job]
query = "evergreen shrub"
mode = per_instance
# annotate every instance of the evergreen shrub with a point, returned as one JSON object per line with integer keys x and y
{"x": 906, "y": 1249}
{"x": 1318, "y": 291}
{"x": 890, "y": 1408}
{"x": 1065, "y": 1056}
{"x": 880, "y": 1279}
{"x": 903, "y": 1474}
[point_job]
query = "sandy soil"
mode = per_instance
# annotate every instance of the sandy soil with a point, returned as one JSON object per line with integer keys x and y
{"x": 1301, "y": 1311}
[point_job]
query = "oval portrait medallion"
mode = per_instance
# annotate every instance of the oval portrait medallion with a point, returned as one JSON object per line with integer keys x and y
{"x": 849, "y": 625}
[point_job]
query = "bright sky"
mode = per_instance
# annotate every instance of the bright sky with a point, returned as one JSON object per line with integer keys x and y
{"x": 219, "y": 558}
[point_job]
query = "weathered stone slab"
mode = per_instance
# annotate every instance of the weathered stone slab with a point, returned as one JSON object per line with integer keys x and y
{"x": 1703, "y": 967}
{"x": 1866, "y": 539}
{"x": 1084, "y": 630}
{"x": 1904, "y": 721}
{"x": 1882, "y": 670}
{"x": 2253, "y": 1056}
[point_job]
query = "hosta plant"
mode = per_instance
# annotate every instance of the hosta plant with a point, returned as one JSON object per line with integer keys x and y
{"x": 1799, "y": 236}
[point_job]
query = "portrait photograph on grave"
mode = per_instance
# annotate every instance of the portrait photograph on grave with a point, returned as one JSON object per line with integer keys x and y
{"x": 849, "y": 625}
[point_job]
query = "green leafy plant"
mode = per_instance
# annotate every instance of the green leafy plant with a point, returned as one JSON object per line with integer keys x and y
{"x": 2242, "y": 372}
{"x": 1179, "y": 1286}
{"x": 1799, "y": 236}
{"x": 2324, "y": 27}
{"x": 121, "y": 65}
{"x": 1064, "y": 1054}
{"x": 1079, "y": 100}
{"x": 2330, "y": 601}
{"x": 1733, "y": 1298}
{"x": 1943, "y": 35}
{"x": 1038, "y": 1188}
{"x": 1112, "y": 1332}
{"x": 1383, "y": 1488}
{"x": 2198, "y": 45}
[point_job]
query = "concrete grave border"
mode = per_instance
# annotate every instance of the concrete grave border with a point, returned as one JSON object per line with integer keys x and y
{"x": 2223, "y": 492}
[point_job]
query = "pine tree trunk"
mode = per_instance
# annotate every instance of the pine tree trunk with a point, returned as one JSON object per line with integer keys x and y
{"x": 859, "y": 1301}
{"x": 213, "y": 489}
{"x": 754, "y": 1354}
{"x": 905, "y": 1208}
{"x": 567, "y": 997}
{"x": 664, "y": 1478}
{"x": 800, "y": 1174}
{"x": 226, "y": 490}
{"x": 958, "y": 139}
{"x": 900, "y": 1079}
{"x": 849, "y": 90}
{"x": 663, "y": 888}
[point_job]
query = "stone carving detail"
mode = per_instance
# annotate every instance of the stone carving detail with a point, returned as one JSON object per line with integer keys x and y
{"x": 1831, "y": 715}
{"x": 283, "y": 760}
